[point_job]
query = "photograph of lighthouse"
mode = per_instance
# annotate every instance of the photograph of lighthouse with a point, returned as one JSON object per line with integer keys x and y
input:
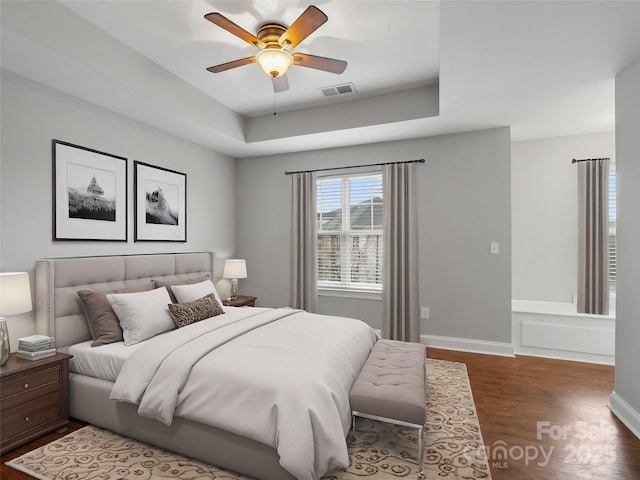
{"x": 89, "y": 194}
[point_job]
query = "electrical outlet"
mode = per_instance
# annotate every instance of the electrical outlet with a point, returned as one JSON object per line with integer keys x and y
{"x": 424, "y": 312}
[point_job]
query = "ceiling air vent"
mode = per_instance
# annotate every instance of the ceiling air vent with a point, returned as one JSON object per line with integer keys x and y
{"x": 338, "y": 90}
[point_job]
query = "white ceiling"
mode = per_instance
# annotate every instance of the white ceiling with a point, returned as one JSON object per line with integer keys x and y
{"x": 419, "y": 68}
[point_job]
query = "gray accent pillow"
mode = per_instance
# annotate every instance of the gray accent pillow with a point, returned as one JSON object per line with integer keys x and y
{"x": 169, "y": 283}
{"x": 103, "y": 322}
{"x": 186, "y": 313}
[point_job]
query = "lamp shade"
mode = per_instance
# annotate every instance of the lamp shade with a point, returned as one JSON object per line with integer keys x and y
{"x": 274, "y": 61}
{"x": 15, "y": 293}
{"x": 235, "y": 268}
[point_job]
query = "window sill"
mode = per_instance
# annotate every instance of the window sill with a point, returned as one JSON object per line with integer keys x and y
{"x": 350, "y": 293}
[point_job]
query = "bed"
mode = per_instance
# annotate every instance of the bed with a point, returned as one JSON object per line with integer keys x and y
{"x": 240, "y": 406}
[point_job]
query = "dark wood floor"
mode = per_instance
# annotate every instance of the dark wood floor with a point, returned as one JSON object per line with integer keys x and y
{"x": 541, "y": 419}
{"x": 551, "y": 417}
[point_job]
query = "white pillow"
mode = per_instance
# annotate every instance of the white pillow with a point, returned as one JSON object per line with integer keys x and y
{"x": 194, "y": 291}
{"x": 142, "y": 315}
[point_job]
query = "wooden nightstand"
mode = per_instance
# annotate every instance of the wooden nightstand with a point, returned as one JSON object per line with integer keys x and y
{"x": 241, "y": 301}
{"x": 34, "y": 398}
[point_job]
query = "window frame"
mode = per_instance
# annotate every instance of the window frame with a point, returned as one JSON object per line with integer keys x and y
{"x": 612, "y": 227}
{"x": 347, "y": 288}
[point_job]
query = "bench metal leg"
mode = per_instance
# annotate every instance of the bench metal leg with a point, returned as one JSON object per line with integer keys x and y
{"x": 421, "y": 452}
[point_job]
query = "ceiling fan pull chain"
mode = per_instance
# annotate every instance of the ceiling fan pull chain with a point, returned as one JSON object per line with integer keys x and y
{"x": 274, "y": 103}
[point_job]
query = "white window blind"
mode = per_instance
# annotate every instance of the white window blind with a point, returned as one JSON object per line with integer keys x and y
{"x": 350, "y": 237}
{"x": 612, "y": 227}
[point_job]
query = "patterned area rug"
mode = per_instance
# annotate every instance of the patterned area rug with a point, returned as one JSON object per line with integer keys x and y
{"x": 378, "y": 451}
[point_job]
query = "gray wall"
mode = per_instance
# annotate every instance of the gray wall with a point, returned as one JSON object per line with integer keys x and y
{"x": 464, "y": 204}
{"x": 627, "y": 385}
{"x": 544, "y": 213}
{"x": 31, "y": 116}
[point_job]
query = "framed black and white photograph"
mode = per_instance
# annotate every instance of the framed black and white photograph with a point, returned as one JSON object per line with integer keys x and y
{"x": 89, "y": 194}
{"x": 160, "y": 204}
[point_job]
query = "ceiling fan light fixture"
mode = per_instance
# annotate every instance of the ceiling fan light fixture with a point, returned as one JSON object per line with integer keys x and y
{"x": 274, "y": 40}
{"x": 274, "y": 61}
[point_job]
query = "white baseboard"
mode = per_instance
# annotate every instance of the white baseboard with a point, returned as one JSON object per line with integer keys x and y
{"x": 565, "y": 355}
{"x": 578, "y": 338}
{"x": 468, "y": 345}
{"x": 627, "y": 414}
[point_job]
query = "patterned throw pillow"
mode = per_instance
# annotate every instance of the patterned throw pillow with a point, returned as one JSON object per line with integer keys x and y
{"x": 186, "y": 313}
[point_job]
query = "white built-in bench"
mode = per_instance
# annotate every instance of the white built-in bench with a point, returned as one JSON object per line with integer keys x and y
{"x": 391, "y": 387}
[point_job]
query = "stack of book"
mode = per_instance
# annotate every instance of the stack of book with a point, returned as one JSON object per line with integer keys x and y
{"x": 35, "y": 347}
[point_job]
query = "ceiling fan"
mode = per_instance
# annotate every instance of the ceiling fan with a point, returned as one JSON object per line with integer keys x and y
{"x": 274, "y": 40}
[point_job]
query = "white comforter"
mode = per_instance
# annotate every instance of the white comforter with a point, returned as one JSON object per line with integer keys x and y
{"x": 281, "y": 377}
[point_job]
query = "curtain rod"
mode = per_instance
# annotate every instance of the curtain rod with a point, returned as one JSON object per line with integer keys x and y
{"x": 421, "y": 160}
{"x": 588, "y": 159}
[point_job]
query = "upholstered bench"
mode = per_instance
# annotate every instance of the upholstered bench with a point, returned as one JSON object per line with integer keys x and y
{"x": 391, "y": 387}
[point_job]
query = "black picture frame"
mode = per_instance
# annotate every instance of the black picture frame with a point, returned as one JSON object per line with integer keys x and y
{"x": 89, "y": 194}
{"x": 160, "y": 204}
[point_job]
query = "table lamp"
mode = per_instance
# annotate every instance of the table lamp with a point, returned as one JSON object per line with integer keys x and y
{"x": 15, "y": 298}
{"x": 234, "y": 269}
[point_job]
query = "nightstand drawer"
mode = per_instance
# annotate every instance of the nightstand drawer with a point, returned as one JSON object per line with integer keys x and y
{"x": 31, "y": 415}
{"x": 29, "y": 382}
{"x": 27, "y": 396}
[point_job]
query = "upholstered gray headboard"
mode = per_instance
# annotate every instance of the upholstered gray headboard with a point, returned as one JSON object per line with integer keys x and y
{"x": 58, "y": 308}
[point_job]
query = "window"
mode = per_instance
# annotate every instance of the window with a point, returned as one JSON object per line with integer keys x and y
{"x": 350, "y": 238}
{"x": 612, "y": 227}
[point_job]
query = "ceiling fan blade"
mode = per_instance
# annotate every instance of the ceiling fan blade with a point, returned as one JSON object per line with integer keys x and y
{"x": 305, "y": 25}
{"x": 229, "y": 26}
{"x": 229, "y": 65}
{"x": 319, "y": 63}
{"x": 281, "y": 83}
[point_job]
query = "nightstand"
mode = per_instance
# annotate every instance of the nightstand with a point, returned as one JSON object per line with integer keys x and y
{"x": 34, "y": 398}
{"x": 241, "y": 301}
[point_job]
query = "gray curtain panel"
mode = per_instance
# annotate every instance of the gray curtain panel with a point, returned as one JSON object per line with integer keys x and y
{"x": 400, "y": 302}
{"x": 593, "y": 231}
{"x": 304, "y": 264}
